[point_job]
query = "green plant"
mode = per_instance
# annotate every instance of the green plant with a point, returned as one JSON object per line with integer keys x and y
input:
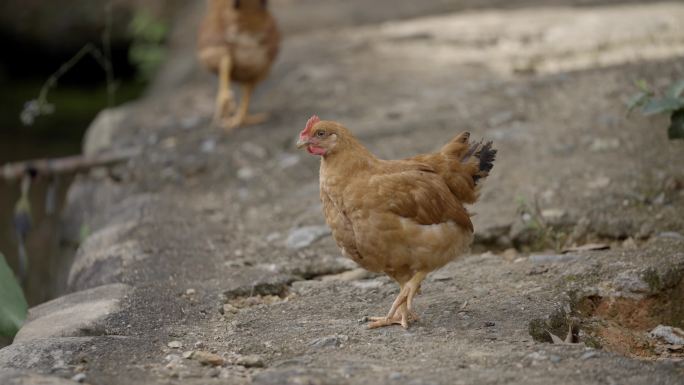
{"x": 670, "y": 102}
{"x": 147, "y": 51}
{"x": 102, "y": 55}
{"x": 13, "y": 306}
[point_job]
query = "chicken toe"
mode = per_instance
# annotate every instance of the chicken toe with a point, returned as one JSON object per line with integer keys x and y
{"x": 242, "y": 116}
{"x": 248, "y": 120}
{"x": 402, "y": 317}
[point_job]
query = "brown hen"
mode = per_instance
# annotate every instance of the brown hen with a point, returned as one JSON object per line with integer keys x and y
{"x": 404, "y": 218}
{"x": 238, "y": 40}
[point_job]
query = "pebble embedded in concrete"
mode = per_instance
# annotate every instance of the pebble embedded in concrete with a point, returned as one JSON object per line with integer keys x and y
{"x": 250, "y": 361}
{"x": 302, "y": 237}
{"x": 332, "y": 341}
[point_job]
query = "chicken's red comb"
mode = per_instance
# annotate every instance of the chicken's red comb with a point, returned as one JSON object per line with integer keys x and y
{"x": 309, "y": 125}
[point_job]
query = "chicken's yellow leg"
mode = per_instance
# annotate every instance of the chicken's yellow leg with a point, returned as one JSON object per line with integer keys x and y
{"x": 242, "y": 117}
{"x": 408, "y": 291}
{"x": 401, "y": 312}
{"x": 401, "y": 318}
{"x": 224, "y": 97}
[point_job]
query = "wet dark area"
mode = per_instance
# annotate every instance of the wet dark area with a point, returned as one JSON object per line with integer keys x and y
{"x": 78, "y": 97}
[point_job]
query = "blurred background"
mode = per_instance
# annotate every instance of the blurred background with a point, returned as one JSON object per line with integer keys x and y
{"x": 81, "y": 37}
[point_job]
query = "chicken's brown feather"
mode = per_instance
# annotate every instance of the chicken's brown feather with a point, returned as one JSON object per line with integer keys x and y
{"x": 396, "y": 216}
{"x": 421, "y": 196}
{"x": 250, "y": 37}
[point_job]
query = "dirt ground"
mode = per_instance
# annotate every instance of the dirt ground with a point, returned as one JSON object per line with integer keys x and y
{"x": 199, "y": 228}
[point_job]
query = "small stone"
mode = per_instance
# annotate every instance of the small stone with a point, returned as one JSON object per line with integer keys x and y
{"x": 553, "y": 215}
{"x": 288, "y": 160}
{"x": 588, "y": 355}
{"x": 537, "y": 356}
{"x": 188, "y": 355}
{"x": 367, "y": 284}
{"x": 190, "y": 292}
{"x": 206, "y": 358}
{"x": 230, "y": 309}
{"x": 489, "y": 324}
{"x": 272, "y": 237}
{"x": 208, "y": 146}
{"x": 175, "y": 344}
{"x": 587, "y": 247}
{"x": 246, "y": 173}
{"x": 173, "y": 359}
{"x": 199, "y": 345}
{"x": 554, "y": 358}
{"x": 304, "y": 236}
{"x": 604, "y": 144}
{"x": 395, "y": 376}
{"x": 630, "y": 281}
{"x": 671, "y": 235}
{"x": 332, "y": 341}
{"x": 552, "y": 258}
{"x": 190, "y": 122}
{"x": 671, "y": 335}
{"x": 629, "y": 244}
{"x": 538, "y": 270}
{"x": 251, "y": 361}
{"x": 510, "y": 254}
{"x": 659, "y": 200}
{"x": 80, "y": 378}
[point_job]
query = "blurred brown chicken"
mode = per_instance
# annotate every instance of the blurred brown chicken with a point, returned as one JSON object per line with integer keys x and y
{"x": 239, "y": 40}
{"x": 401, "y": 217}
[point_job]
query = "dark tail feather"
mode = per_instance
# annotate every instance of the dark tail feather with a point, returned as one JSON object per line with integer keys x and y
{"x": 487, "y": 155}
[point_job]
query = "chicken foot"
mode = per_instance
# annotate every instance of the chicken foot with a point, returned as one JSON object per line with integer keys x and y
{"x": 402, "y": 309}
{"x": 242, "y": 117}
{"x": 225, "y": 102}
{"x": 403, "y": 317}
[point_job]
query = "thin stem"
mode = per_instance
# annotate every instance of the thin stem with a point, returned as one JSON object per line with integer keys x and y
{"x": 103, "y": 57}
{"x": 107, "y": 48}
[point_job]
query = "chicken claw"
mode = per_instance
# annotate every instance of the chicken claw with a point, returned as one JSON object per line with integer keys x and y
{"x": 379, "y": 322}
{"x": 404, "y": 317}
{"x": 249, "y": 120}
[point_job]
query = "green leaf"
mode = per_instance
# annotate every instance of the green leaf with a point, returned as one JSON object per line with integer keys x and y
{"x": 637, "y": 100}
{"x": 13, "y": 306}
{"x": 676, "y": 89}
{"x": 676, "y": 129}
{"x": 659, "y": 106}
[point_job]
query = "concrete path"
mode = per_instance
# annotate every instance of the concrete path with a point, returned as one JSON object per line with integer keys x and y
{"x": 207, "y": 260}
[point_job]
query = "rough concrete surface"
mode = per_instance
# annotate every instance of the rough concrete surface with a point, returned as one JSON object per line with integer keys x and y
{"x": 79, "y": 314}
{"x": 233, "y": 279}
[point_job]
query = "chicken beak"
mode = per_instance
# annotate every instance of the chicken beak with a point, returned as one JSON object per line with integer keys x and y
{"x": 302, "y": 142}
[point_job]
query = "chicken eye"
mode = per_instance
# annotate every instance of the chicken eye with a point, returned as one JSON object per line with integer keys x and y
{"x": 320, "y": 134}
